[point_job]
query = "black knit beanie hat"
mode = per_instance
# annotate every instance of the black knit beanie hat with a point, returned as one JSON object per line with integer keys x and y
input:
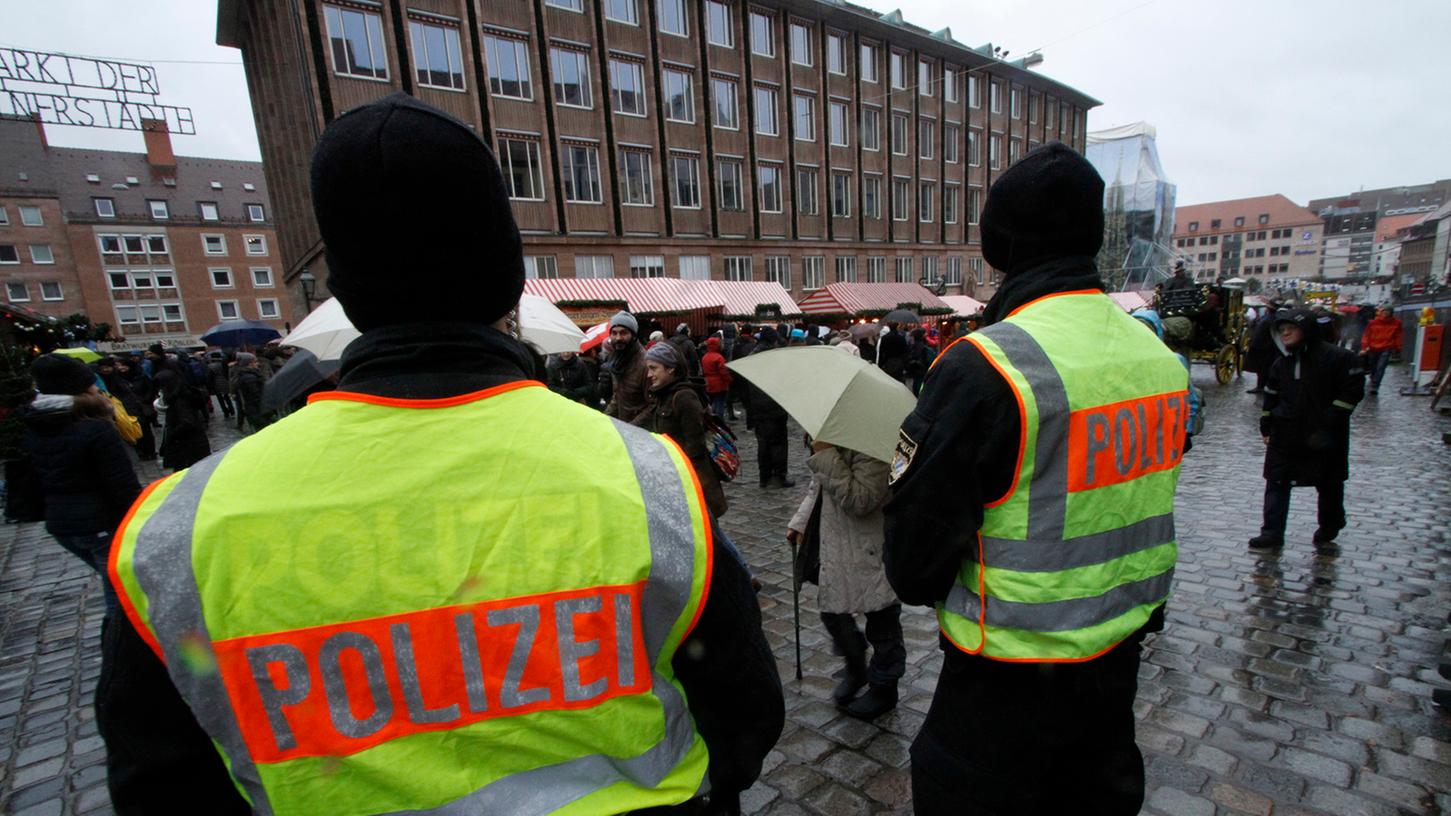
{"x": 1049, "y": 205}
{"x": 59, "y": 374}
{"x": 415, "y": 217}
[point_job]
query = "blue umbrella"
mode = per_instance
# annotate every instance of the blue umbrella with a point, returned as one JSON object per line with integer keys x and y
{"x": 237, "y": 333}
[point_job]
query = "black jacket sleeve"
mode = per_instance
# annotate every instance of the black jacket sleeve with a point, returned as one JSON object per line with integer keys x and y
{"x": 158, "y": 760}
{"x": 956, "y": 452}
{"x": 729, "y": 676}
{"x": 113, "y": 471}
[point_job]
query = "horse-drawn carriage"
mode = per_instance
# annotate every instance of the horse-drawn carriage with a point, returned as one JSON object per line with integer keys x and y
{"x": 1206, "y": 323}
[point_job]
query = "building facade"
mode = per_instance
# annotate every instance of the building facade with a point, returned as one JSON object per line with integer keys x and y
{"x": 1268, "y": 238}
{"x": 160, "y": 247}
{"x": 1388, "y": 201}
{"x": 798, "y": 142}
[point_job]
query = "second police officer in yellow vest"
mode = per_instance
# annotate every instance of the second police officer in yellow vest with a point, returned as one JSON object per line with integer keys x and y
{"x": 1033, "y": 498}
{"x": 441, "y": 588}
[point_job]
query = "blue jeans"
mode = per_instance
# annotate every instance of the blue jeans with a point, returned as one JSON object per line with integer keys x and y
{"x": 95, "y": 550}
{"x": 718, "y": 404}
{"x": 1377, "y": 361}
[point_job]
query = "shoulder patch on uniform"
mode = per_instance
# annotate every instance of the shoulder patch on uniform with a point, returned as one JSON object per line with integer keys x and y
{"x": 902, "y": 458}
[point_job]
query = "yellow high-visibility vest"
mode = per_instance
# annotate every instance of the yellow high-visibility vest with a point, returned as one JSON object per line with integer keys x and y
{"x": 1081, "y": 549}
{"x": 461, "y": 605}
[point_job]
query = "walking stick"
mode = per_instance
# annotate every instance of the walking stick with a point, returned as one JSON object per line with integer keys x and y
{"x": 796, "y": 605}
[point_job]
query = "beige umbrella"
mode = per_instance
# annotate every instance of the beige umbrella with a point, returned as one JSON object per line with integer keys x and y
{"x": 836, "y": 397}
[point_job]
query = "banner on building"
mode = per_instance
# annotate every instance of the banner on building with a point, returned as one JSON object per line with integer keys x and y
{"x": 65, "y": 89}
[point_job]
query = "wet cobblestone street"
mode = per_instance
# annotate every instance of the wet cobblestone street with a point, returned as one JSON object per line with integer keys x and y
{"x": 1283, "y": 684}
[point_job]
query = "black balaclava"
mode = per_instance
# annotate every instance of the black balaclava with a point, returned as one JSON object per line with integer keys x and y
{"x": 415, "y": 216}
{"x": 1049, "y": 205}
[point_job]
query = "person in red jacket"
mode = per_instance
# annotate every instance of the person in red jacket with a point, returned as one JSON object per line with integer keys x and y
{"x": 1382, "y": 337}
{"x": 717, "y": 377}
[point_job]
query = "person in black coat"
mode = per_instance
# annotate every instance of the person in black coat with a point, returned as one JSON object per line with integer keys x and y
{"x": 768, "y": 420}
{"x": 892, "y": 352}
{"x": 1263, "y": 350}
{"x": 80, "y": 462}
{"x": 572, "y": 378}
{"x": 129, "y": 369}
{"x": 248, "y": 382}
{"x": 920, "y": 355}
{"x": 184, "y": 424}
{"x": 1309, "y": 395}
{"x": 740, "y": 390}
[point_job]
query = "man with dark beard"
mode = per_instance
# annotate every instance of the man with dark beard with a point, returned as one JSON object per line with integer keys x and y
{"x": 626, "y": 369}
{"x": 1047, "y": 552}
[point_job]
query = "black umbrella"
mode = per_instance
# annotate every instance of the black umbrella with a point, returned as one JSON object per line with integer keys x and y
{"x": 300, "y": 373}
{"x": 901, "y": 316}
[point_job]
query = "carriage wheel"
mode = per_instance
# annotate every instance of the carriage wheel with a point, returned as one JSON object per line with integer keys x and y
{"x": 1224, "y": 364}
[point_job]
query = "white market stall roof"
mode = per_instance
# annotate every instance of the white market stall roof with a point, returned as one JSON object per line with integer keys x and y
{"x": 667, "y": 295}
{"x": 852, "y": 298}
{"x": 1129, "y": 301}
{"x": 964, "y": 306}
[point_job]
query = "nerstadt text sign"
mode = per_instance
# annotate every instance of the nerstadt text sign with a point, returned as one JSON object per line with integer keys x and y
{"x": 63, "y": 89}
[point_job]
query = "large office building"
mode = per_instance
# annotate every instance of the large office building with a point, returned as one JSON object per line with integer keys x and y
{"x": 1267, "y": 238}
{"x": 160, "y": 247}
{"x": 798, "y": 142}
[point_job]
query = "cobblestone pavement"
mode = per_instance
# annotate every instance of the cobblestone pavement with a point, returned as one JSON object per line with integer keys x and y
{"x": 1286, "y": 684}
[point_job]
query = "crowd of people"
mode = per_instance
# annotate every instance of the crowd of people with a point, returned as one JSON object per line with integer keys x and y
{"x": 475, "y": 595}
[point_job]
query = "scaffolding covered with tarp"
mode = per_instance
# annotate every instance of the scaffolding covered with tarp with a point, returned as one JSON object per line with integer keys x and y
{"x": 1138, "y": 204}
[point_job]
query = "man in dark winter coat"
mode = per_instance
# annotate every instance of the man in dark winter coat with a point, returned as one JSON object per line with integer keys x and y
{"x": 629, "y": 390}
{"x": 688, "y": 351}
{"x": 1021, "y": 735}
{"x": 218, "y": 384}
{"x": 1309, "y": 394}
{"x": 569, "y": 376}
{"x": 892, "y": 352}
{"x": 768, "y": 420}
{"x": 248, "y": 386}
{"x": 422, "y": 349}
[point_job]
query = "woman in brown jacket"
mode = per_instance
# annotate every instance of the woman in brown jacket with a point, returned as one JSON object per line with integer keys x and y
{"x": 676, "y": 409}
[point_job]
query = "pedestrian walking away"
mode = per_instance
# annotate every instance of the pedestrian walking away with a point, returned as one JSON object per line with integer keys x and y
{"x": 440, "y": 587}
{"x": 79, "y": 462}
{"x": 840, "y": 520}
{"x": 717, "y": 377}
{"x": 768, "y": 420}
{"x": 995, "y": 474}
{"x": 1309, "y": 396}
{"x": 1383, "y": 337}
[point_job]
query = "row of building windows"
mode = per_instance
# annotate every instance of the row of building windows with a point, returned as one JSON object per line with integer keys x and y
{"x": 1262, "y": 235}
{"x": 115, "y": 247}
{"x": 19, "y": 291}
{"x": 151, "y": 313}
{"x": 160, "y": 210}
{"x": 1214, "y": 224}
{"x": 122, "y": 280}
{"x": 356, "y": 41}
{"x": 580, "y": 174}
{"x": 777, "y": 268}
{"x": 39, "y": 254}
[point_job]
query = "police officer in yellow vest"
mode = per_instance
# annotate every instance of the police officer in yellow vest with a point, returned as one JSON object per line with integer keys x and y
{"x": 1033, "y": 491}
{"x": 440, "y": 588}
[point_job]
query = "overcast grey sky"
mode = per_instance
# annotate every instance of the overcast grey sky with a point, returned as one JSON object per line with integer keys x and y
{"x": 1250, "y": 97}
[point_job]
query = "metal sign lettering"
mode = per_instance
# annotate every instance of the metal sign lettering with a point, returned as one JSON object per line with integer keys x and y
{"x": 61, "y": 89}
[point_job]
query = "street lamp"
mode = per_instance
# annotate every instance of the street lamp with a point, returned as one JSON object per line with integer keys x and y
{"x": 309, "y": 288}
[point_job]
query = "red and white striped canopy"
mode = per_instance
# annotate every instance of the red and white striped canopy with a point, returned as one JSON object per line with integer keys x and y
{"x": 667, "y": 295}
{"x": 852, "y": 298}
{"x": 963, "y": 306}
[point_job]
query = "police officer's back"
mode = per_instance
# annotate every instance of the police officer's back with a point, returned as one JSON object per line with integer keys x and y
{"x": 439, "y": 585}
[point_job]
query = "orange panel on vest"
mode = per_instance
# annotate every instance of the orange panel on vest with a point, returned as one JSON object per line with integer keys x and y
{"x": 338, "y": 689}
{"x": 1116, "y": 443}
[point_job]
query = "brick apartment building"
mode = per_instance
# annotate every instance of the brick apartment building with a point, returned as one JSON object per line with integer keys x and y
{"x": 162, "y": 247}
{"x": 801, "y": 142}
{"x": 1269, "y": 238}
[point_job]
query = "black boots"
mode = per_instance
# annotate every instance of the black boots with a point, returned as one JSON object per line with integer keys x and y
{"x": 854, "y": 679}
{"x": 1266, "y": 542}
{"x": 879, "y": 699}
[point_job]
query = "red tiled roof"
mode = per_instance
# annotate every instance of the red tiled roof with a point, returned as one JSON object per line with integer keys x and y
{"x": 1282, "y": 212}
{"x": 1386, "y": 228}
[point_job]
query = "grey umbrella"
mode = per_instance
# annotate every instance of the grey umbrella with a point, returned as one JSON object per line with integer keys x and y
{"x": 901, "y": 316}
{"x": 300, "y": 373}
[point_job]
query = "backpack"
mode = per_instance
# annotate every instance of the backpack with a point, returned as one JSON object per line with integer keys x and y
{"x": 720, "y": 442}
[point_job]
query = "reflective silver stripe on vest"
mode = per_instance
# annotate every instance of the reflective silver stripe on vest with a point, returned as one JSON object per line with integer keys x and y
{"x": 668, "y": 590}
{"x": 1061, "y": 616}
{"x": 1048, "y": 489}
{"x": 1095, "y": 548}
{"x": 163, "y": 567}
